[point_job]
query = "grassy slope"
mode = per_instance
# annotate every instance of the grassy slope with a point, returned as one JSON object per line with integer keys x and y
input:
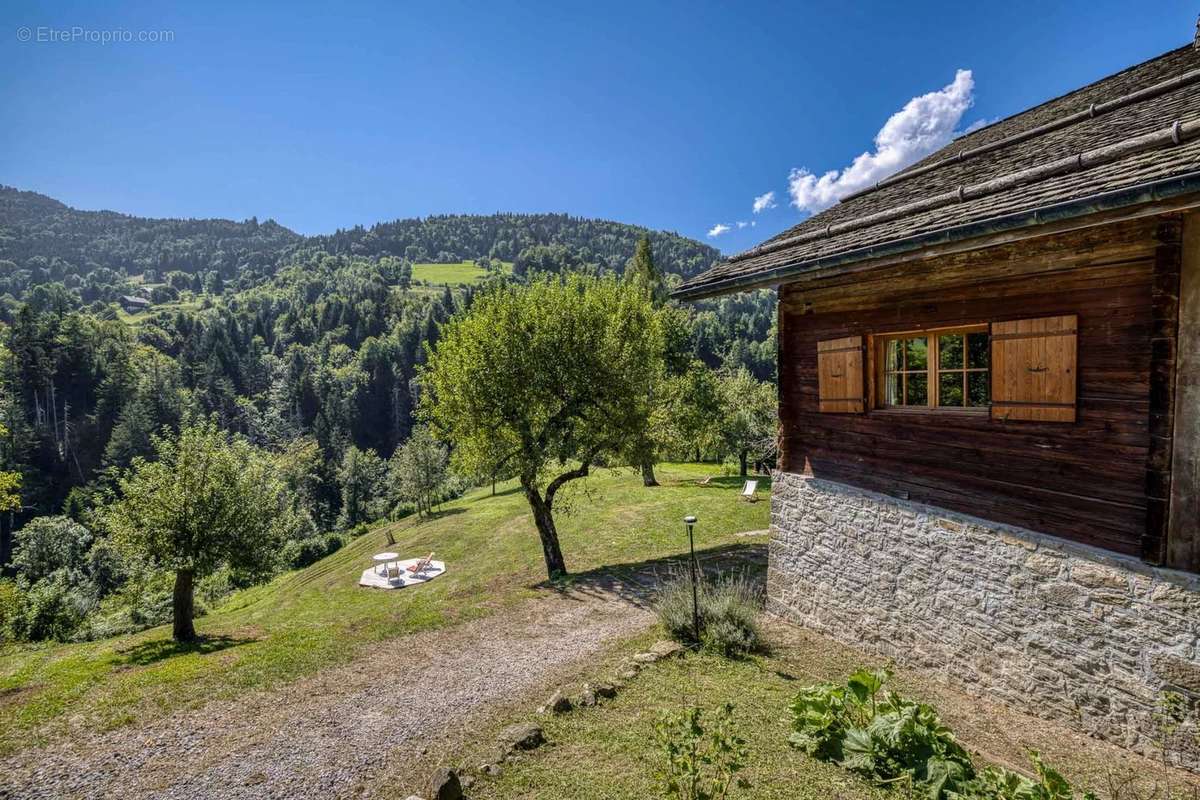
{"x": 306, "y": 620}
{"x": 463, "y": 272}
{"x": 610, "y": 753}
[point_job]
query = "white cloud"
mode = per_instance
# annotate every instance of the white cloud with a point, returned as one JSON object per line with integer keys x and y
{"x": 925, "y": 124}
{"x": 717, "y": 230}
{"x": 764, "y": 201}
{"x": 742, "y": 224}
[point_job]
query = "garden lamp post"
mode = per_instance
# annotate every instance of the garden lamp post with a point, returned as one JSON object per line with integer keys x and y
{"x": 690, "y": 522}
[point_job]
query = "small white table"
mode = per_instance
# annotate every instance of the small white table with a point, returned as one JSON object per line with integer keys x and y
{"x": 382, "y": 559}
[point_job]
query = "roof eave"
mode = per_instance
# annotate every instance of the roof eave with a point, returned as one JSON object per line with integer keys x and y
{"x": 1141, "y": 194}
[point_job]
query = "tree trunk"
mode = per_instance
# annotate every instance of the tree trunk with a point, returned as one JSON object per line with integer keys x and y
{"x": 556, "y": 567}
{"x": 648, "y": 473}
{"x": 183, "y": 607}
{"x": 742, "y": 456}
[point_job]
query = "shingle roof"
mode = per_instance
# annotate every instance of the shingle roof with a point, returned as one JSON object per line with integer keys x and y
{"x": 1129, "y": 138}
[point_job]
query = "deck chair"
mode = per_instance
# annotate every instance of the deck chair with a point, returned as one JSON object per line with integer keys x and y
{"x": 750, "y": 492}
{"x": 422, "y": 565}
{"x": 393, "y": 571}
{"x": 705, "y": 482}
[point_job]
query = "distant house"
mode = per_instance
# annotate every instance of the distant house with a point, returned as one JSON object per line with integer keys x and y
{"x": 989, "y": 382}
{"x": 133, "y": 304}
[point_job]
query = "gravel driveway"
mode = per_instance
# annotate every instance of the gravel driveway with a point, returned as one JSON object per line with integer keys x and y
{"x": 328, "y": 734}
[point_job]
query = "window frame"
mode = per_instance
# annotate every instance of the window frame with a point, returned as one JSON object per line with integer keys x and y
{"x": 878, "y": 370}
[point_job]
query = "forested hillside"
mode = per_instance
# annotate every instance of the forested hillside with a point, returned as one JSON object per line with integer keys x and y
{"x": 308, "y": 347}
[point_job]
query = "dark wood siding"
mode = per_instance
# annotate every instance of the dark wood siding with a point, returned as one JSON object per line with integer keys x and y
{"x": 1085, "y": 480}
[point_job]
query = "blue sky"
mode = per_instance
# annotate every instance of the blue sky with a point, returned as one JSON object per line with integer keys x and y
{"x": 670, "y": 115}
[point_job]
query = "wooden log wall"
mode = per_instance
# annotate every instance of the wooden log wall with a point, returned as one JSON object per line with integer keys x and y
{"x": 1087, "y": 480}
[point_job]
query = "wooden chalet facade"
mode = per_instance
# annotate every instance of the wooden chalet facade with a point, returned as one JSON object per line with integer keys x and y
{"x": 989, "y": 385}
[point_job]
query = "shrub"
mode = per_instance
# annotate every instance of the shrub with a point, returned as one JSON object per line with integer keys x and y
{"x": 703, "y": 759}
{"x": 892, "y": 740}
{"x": 47, "y": 544}
{"x": 303, "y": 552}
{"x": 52, "y": 608}
{"x": 11, "y": 602}
{"x": 728, "y": 609}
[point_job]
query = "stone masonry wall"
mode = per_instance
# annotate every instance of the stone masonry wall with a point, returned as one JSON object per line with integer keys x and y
{"x": 1059, "y": 630}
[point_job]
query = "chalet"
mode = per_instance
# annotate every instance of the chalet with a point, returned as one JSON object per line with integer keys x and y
{"x": 132, "y": 304}
{"x": 989, "y": 399}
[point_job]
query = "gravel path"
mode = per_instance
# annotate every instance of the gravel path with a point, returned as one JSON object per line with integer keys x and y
{"x": 327, "y": 734}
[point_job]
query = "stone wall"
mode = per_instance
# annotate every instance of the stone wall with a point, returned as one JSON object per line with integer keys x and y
{"x": 1054, "y": 628}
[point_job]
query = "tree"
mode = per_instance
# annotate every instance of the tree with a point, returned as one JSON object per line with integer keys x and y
{"x": 748, "y": 417}
{"x": 208, "y": 499}
{"x": 418, "y": 469}
{"x": 696, "y": 409}
{"x": 361, "y": 477}
{"x": 642, "y": 273}
{"x": 547, "y": 379}
{"x": 47, "y": 544}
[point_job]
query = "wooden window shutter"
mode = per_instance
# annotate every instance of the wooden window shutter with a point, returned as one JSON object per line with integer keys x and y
{"x": 1033, "y": 369}
{"x": 840, "y": 375}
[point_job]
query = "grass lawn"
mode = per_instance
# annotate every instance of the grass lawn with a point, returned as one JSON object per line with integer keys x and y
{"x": 306, "y": 620}
{"x": 609, "y": 752}
{"x": 463, "y": 272}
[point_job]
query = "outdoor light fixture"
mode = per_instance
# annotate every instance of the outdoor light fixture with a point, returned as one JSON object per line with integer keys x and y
{"x": 690, "y": 522}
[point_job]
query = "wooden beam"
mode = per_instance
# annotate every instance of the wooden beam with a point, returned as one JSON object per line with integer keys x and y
{"x": 1183, "y": 524}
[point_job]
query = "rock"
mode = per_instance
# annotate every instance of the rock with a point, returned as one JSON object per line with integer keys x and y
{"x": 587, "y": 698}
{"x": 522, "y": 736}
{"x": 629, "y": 674}
{"x": 605, "y": 690}
{"x": 414, "y": 797}
{"x": 467, "y": 781}
{"x": 491, "y": 770}
{"x": 444, "y": 785}
{"x": 644, "y": 658}
{"x": 558, "y": 703}
{"x": 667, "y": 649}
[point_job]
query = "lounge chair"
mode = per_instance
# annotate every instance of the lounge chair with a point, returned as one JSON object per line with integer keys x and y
{"x": 422, "y": 565}
{"x": 750, "y": 492}
{"x": 393, "y": 571}
{"x": 705, "y": 482}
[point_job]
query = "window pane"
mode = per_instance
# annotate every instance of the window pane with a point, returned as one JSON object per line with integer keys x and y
{"x": 915, "y": 356}
{"x": 891, "y": 389}
{"x": 950, "y": 351}
{"x": 977, "y": 350}
{"x": 950, "y": 389}
{"x": 979, "y": 389}
{"x": 891, "y": 357}
{"x": 918, "y": 390}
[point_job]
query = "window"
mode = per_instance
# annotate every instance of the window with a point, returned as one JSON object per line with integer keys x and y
{"x": 935, "y": 369}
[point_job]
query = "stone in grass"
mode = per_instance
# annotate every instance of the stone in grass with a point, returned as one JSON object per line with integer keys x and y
{"x": 522, "y": 736}
{"x": 587, "y": 698}
{"x": 491, "y": 770}
{"x": 606, "y": 691}
{"x": 558, "y": 703}
{"x": 629, "y": 674}
{"x": 640, "y": 659}
{"x": 444, "y": 785}
{"x": 667, "y": 649}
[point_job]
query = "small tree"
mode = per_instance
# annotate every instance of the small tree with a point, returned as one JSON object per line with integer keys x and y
{"x": 748, "y": 416}
{"x": 418, "y": 469}
{"x": 695, "y": 410}
{"x": 545, "y": 379}
{"x": 207, "y": 500}
{"x": 362, "y": 477}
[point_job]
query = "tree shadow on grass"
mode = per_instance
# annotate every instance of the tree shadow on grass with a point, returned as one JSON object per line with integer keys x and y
{"x": 637, "y": 582}
{"x": 156, "y": 650}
